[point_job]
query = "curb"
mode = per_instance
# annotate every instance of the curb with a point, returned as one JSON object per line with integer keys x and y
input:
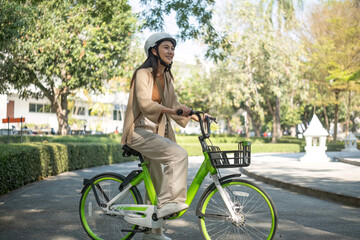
{"x": 335, "y": 197}
{"x": 344, "y": 160}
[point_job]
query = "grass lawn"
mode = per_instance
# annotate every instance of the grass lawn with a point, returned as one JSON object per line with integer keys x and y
{"x": 192, "y": 146}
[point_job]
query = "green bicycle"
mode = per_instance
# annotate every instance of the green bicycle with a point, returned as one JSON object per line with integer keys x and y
{"x": 111, "y": 206}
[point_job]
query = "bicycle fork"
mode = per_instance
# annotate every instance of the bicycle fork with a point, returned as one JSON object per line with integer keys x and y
{"x": 227, "y": 200}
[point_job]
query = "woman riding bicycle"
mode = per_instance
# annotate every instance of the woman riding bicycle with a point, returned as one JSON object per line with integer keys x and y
{"x": 147, "y": 127}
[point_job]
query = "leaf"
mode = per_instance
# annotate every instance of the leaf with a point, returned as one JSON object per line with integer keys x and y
{"x": 82, "y": 54}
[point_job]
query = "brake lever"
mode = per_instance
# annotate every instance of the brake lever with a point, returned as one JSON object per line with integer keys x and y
{"x": 211, "y": 118}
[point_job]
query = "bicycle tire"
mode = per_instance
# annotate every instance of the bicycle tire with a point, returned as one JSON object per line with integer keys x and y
{"x": 96, "y": 223}
{"x": 256, "y": 212}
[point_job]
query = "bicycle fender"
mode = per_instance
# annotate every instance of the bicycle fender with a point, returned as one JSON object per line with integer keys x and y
{"x": 210, "y": 188}
{"x": 230, "y": 176}
{"x": 87, "y": 182}
{"x": 129, "y": 178}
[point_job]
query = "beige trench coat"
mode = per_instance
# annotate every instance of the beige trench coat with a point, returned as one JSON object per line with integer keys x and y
{"x": 140, "y": 104}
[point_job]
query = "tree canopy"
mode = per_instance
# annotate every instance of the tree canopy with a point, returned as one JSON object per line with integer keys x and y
{"x": 61, "y": 46}
{"x": 261, "y": 66}
{"x": 52, "y": 48}
{"x": 333, "y": 47}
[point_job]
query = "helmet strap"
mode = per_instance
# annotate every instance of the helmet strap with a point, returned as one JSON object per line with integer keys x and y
{"x": 167, "y": 66}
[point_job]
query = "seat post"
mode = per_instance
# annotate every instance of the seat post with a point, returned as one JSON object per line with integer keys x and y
{"x": 141, "y": 158}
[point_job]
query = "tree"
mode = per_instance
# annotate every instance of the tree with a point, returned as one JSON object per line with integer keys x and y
{"x": 334, "y": 50}
{"x": 262, "y": 67}
{"x": 283, "y": 21}
{"x": 285, "y": 12}
{"x": 68, "y": 45}
{"x": 52, "y": 48}
{"x": 193, "y": 17}
{"x": 193, "y": 89}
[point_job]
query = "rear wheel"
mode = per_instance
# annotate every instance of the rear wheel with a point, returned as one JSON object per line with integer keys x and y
{"x": 96, "y": 223}
{"x": 256, "y": 216}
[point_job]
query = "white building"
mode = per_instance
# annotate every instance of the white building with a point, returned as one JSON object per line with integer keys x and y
{"x": 39, "y": 113}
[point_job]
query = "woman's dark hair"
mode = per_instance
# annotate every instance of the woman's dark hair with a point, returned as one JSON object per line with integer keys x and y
{"x": 152, "y": 62}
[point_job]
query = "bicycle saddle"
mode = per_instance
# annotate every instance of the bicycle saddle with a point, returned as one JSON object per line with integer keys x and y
{"x": 128, "y": 151}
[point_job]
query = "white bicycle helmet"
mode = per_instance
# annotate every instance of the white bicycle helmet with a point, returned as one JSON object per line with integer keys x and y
{"x": 155, "y": 39}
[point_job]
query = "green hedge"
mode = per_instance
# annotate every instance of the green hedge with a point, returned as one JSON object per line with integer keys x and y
{"x": 24, "y": 163}
{"x": 106, "y": 138}
{"x": 41, "y": 156}
{"x": 331, "y": 146}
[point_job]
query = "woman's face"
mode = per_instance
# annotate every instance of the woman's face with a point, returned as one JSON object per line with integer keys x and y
{"x": 166, "y": 51}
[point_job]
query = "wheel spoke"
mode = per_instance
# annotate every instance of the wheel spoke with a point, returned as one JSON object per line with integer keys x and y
{"x": 95, "y": 221}
{"x": 252, "y": 206}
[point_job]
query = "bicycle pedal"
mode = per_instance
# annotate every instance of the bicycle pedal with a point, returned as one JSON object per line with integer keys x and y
{"x": 155, "y": 218}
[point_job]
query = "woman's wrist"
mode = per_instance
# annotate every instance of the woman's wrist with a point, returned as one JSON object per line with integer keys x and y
{"x": 168, "y": 110}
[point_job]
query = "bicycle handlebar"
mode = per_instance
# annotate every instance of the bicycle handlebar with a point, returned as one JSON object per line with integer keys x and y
{"x": 208, "y": 120}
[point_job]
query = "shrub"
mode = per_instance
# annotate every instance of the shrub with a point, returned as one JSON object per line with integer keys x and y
{"x": 293, "y": 140}
{"x": 331, "y": 146}
{"x": 105, "y": 138}
{"x": 27, "y": 162}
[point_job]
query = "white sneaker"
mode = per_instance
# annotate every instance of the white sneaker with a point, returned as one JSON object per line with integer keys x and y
{"x": 171, "y": 208}
{"x": 153, "y": 236}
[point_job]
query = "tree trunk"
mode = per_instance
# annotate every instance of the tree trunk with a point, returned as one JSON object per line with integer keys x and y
{"x": 256, "y": 123}
{"x": 273, "y": 133}
{"x": 60, "y": 106}
{"x": 228, "y": 123}
{"x": 293, "y": 131}
{"x": 305, "y": 119}
{"x": 257, "y": 131}
{"x": 326, "y": 118}
{"x": 255, "y": 120}
{"x": 347, "y": 126}
{"x": 277, "y": 117}
{"x": 336, "y": 117}
{"x": 247, "y": 126}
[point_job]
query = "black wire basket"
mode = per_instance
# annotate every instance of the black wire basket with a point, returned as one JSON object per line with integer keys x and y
{"x": 231, "y": 159}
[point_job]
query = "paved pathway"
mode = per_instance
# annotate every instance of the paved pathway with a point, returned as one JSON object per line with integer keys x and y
{"x": 49, "y": 209}
{"x": 337, "y": 180}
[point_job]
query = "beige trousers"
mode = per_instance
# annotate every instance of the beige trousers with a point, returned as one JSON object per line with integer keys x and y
{"x": 171, "y": 182}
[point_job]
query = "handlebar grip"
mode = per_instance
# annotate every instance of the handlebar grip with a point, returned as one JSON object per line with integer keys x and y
{"x": 179, "y": 112}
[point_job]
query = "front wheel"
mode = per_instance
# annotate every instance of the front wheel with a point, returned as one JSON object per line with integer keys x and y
{"x": 256, "y": 216}
{"x": 96, "y": 223}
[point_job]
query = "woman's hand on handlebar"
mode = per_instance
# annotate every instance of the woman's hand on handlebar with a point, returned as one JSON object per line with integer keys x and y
{"x": 207, "y": 117}
{"x": 180, "y": 111}
{"x": 204, "y": 117}
{"x": 184, "y": 111}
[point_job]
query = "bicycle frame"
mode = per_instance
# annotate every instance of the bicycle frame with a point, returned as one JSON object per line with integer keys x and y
{"x": 228, "y": 199}
{"x": 203, "y": 171}
{"x": 205, "y": 168}
{"x": 143, "y": 214}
